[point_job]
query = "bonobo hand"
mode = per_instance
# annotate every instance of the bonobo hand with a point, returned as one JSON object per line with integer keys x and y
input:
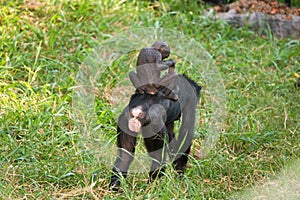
{"x": 171, "y": 63}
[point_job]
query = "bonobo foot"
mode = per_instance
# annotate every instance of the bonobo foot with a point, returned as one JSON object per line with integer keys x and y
{"x": 139, "y": 91}
{"x": 115, "y": 183}
{"x": 156, "y": 174}
{"x": 150, "y": 88}
{"x": 169, "y": 94}
{"x": 180, "y": 173}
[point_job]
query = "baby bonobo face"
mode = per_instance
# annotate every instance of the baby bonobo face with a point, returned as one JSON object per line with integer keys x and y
{"x": 136, "y": 118}
{"x": 163, "y": 48}
{"x": 165, "y": 54}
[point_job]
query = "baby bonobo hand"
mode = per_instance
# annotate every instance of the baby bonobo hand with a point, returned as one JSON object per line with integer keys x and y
{"x": 171, "y": 64}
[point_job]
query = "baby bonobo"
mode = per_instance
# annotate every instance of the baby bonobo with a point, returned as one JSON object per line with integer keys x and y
{"x": 149, "y": 64}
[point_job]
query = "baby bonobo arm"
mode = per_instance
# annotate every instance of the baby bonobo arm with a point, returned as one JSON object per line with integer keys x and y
{"x": 166, "y": 64}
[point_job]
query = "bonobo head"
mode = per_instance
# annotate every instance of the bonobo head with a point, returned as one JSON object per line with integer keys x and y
{"x": 163, "y": 48}
{"x": 138, "y": 112}
{"x": 137, "y": 118}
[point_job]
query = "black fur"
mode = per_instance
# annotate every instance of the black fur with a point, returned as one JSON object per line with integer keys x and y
{"x": 189, "y": 93}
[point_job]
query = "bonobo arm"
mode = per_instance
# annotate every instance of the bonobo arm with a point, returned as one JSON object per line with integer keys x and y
{"x": 166, "y": 64}
{"x": 170, "y": 63}
{"x": 155, "y": 136}
{"x": 126, "y": 147}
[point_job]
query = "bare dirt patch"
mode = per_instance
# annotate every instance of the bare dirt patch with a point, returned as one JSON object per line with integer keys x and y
{"x": 263, "y": 16}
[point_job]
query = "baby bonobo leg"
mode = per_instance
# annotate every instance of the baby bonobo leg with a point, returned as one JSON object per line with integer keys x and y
{"x": 150, "y": 88}
{"x": 169, "y": 81}
{"x": 135, "y": 80}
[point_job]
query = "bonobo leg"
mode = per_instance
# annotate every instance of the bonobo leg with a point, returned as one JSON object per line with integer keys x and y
{"x": 169, "y": 81}
{"x": 171, "y": 133}
{"x": 136, "y": 82}
{"x": 155, "y": 137}
{"x": 182, "y": 145}
{"x": 156, "y": 147}
{"x": 180, "y": 163}
{"x": 126, "y": 147}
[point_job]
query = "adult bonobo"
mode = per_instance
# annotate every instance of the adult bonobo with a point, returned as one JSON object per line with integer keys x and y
{"x": 155, "y": 115}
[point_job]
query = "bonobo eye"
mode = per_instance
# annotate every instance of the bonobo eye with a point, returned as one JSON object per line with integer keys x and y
{"x": 141, "y": 115}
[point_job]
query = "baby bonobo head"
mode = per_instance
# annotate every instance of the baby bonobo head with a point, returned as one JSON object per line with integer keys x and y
{"x": 162, "y": 47}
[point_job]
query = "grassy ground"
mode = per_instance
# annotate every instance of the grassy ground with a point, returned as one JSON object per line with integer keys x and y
{"x": 41, "y": 48}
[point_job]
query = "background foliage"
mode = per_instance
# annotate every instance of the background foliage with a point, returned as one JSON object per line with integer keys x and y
{"x": 42, "y": 44}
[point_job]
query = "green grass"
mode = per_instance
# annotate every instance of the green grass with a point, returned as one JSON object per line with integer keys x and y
{"x": 41, "y": 49}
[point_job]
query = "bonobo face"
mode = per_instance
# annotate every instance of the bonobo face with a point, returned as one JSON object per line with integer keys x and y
{"x": 165, "y": 52}
{"x": 163, "y": 48}
{"x": 137, "y": 119}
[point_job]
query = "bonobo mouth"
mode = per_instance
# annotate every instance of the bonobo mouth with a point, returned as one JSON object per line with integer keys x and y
{"x": 138, "y": 117}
